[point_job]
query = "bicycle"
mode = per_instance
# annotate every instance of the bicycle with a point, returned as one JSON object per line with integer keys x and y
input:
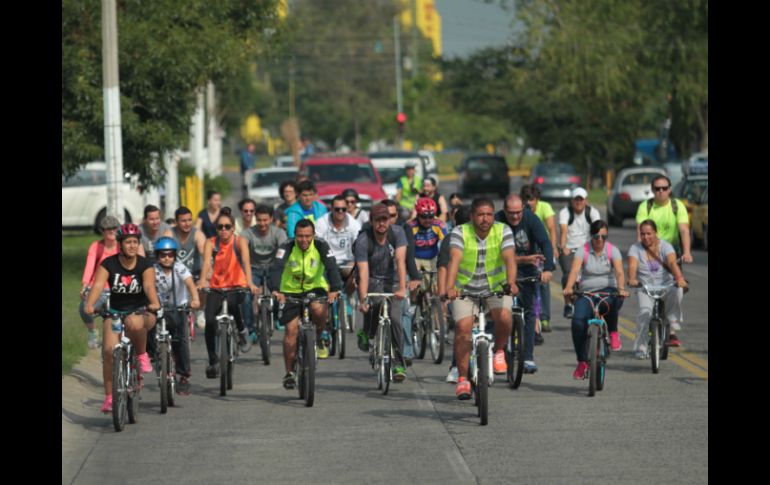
{"x": 339, "y": 320}
{"x": 165, "y": 369}
{"x": 307, "y": 357}
{"x": 382, "y": 354}
{"x": 515, "y": 350}
{"x": 227, "y": 332}
{"x": 659, "y": 330}
{"x": 264, "y": 321}
{"x": 428, "y": 321}
{"x": 126, "y": 379}
{"x": 480, "y": 364}
{"x": 598, "y": 340}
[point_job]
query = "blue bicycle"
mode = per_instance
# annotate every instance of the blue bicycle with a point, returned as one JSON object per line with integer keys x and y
{"x": 598, "y": 339}
{"x": 340, "y": 319}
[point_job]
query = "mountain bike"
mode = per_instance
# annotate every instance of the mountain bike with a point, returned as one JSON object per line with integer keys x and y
{"x": 165, "y": 368}
{"x": 227, "y": 334}
{"x": 659, "y": 330}
{"x": 382, "y": 352}
{"x": 338, "y": 323}
{"x": 515, "y": 350}
{"x": 264, "y": 320}
{"x": 307, "y": 358}
{"x": 429, "y": 325}
{"x": 598, "y": 339}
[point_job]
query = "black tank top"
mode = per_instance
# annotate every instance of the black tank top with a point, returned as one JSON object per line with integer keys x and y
{"x": 208, "y": 228}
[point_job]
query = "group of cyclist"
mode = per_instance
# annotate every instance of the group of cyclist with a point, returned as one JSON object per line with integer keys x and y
{"x": 326, "y": 253}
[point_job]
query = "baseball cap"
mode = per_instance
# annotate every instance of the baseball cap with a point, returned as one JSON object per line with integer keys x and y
{"x": 579, "y": 192}
{"x": 380, "y": 211}
{"x": 410, "y": 164}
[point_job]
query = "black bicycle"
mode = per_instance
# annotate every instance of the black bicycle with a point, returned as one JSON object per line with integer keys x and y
{"x": 429, "y": 325}
{"x": 264, "y": 320}
{"x": 227, "y": 334}
{"x": 382, "y": 352}
{"x": 305, "y": 365}
{"x": 659, "y": 331}
{"x": 165, "y": 368}
{"x": 515, "y": 350}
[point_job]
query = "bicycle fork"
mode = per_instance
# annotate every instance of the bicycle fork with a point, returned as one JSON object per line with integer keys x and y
{"x": 478, "y": 334}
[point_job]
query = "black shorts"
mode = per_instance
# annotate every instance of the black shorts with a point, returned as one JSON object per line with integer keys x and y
{"x": 291, "y": 309}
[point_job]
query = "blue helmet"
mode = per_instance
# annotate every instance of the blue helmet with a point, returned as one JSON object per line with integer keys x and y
{"x": 166, "y": 244}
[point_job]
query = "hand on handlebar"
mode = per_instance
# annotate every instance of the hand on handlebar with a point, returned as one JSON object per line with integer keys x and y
{"x": 452, "y": 293}
{"x": 414, "y": 284}
{"x": 333, "y": 296}
{"x": 363, "y": 307}
{"x": 255, "y": 290}
{"x": 279, "y": 297}
{"x": 195, "y": 303}
{"x": 153, "y": 307}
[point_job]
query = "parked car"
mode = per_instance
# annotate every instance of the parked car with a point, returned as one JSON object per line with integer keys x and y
{"x": 391, "y": 167}
{"x": 555, "y": 180}
{"x": 84, "y": 198}
{"x": 697, "y": 164}
{"x": 263, "y": 183}
{"x": 483, "y": 174}
{"x": 700, "y": 222}
{"x": 332, "y": 175}
{"x": 675, "y": 172}
{"x": 632, "y": 186}
{"x": 284, "y": 161}
{"x": 690, "y": 190}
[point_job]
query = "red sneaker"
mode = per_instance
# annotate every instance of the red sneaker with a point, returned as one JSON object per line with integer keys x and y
{"x": 107, "y": 405}
{"x": 580, "y": 371}
{"x": 463, "y": 389}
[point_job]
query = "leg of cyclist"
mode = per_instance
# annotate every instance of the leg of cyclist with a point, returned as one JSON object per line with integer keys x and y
{"x": 235, "y": 305}
{"x": 527, "y": 293}
{"x": 319, "y": 313}
{"x": 565, "y": 261}
{"x": 500, "y": 309}
{"x": 213, "y": 306}
{"x": 545, "y": 307}
{"x": 88, "y": 320}
{"x": 611, "y": 317}
{"x": 290, "y": 319}
{"x": 247, "y": 312}
{"x": 463, "y": 311}
{"x": 180, "y": 332}
{"x": 673, "y": 302}
{"x": 642, "y": 325}
{"x": 397, "y": 331}
{"x": 109, "y": 341}
{"x": 407, "y": 317}
{"x": 583, "y": 311}
{"x": 137, "y": 327}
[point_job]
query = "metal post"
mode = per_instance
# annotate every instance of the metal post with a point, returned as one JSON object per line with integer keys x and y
{"x": 214, "y": 141}
{"x": 399, "y": 98}
{"x": 113, "y": 141}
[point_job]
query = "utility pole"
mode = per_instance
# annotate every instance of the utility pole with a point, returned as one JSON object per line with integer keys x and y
{"x": 399, "y": 98}
{"x": 113, "y": 141}
{"x": 214, "y": 138}
{"x": 415, "y": 47}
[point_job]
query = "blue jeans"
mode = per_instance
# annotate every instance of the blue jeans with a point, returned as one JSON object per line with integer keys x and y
{"x": 248, "y": 309}
{"x": 545, "y": 301}
{"x": 583, "y": 312}
{"x": 97, "y": 306}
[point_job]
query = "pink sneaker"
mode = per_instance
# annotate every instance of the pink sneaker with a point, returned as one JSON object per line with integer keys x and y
{"x": 499, "y": 364}
{"x": 107, "y": 405}
{"x": 580, "y": 371}
{"x": 144, "y": 363}
{"x": 615, "y": 343}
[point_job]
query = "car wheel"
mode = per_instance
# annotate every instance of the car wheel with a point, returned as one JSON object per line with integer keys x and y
{"x": 614, "y": 220}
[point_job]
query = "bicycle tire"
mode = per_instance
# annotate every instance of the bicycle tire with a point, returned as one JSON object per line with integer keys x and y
{"x": 437, "y": 331}
{"x": 119, "y": 391}
{"x": 223, "y": 358}
{"x": 377, "y": 361}
{"x": 604, "y": 353}
{"x": 299, "y": 364}
{"x": 482, "y": 359}
{"x": 133, "y": 387}
{"x": 419, "y": 338}
{"x": 515, "y": 353}
{"x": 164, "y": 387}
{"x": 593, "y": 354}
{"x": 310, "y": 361}
{"x": 330, "y": 324}
{"x": 655, "y": 345}
{"x": 387, "y": 353}
{"x": 232, "y": 348}
{"x": 171, "y": 377}
{"x": 664, "y": 339}
{"x": 264, "y": 334}
{"x": 340, "y": 330}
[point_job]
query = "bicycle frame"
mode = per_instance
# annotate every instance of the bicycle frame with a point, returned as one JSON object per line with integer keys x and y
{"x": 478, "y": 333}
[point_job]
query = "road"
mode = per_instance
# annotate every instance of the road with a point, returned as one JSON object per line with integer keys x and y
{"x": 641, "y": 428}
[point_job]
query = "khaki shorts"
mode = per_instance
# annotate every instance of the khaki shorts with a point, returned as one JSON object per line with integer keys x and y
{"x": 468, "y": 308}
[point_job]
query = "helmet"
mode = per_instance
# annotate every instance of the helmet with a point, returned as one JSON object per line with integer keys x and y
{"x": 166, "y": 244}
{"x": 108, "y": 222}
{"x": 128, "y": 229}
{"x": 425, "y": 205}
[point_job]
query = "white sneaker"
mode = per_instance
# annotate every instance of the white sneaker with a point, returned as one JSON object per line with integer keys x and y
{"x": 201, "y": 321}
{"x": 453, "y": 375}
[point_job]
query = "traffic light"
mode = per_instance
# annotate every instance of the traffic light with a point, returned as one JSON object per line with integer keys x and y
{"x": 401, "y": 120}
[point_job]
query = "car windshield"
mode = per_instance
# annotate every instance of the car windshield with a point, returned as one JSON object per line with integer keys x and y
{"x": 693, "y": 190}
{"x": 356, "y": 173}
{"x": 390, "y": 175}
{"x": 486, "y": 164}
{"x": 266, "y": 179}
{"x": 640, "y": 178}
{"x": 555, "y": 169}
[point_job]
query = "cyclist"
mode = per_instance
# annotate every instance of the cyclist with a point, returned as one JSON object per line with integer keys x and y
{"x": 247, "y": 220}
{"x": 380, "y": 255}
{"x": 530, "y": 237}
{"x": 307, "y": 207}
{"x": 430, "y": 191}
{"x": 131, "y": 278}
{"x": 302, "y": 265}
{"x": 209, "y": 213}
{"x": 153, "y": 228}
{"x": 353, "y": 200}
{"x": 97, "y": 252}
{"x": 175, "y": 286}
{"x": 231, "y": 268}
{"x": 646, "y": 259}
{"x": 601, "y": 265}
{"x": 408, "y": 187}
{"x": 190, "y": 241}
{"x": 428, "y": 233}
{"x": 482, "y": 258}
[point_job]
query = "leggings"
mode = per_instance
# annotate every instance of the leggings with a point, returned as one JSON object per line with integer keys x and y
{"x": 213, "y": 307}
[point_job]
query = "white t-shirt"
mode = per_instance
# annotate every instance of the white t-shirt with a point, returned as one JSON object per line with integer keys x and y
{"x": 163, "y": 284}
{"x": 340, "y": 241}
{"x": 579, "y": 231}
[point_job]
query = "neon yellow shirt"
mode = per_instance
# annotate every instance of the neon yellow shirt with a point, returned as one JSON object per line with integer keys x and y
{"x": 543, "y": 212}
{"x": 668, "y": 227}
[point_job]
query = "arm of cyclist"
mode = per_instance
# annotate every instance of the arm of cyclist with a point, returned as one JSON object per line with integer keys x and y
{"x": 509, "y": 258}
{"x": 617, "y": 265}
{"x": 331, "y": 268}
{"x": 243, "y": 247}
{"x": 550, "y": 224}
{"x": 455, "y": 255}
{"x": 401, "y": 268}
{"x": 363, "y": 285}
{"x": 577, "y": 262}
{"x": 99, "y": 279}
{"x": 411, "y": 266}
{"x": 148, "y": 281}
{"x": 633, "y": 265}
{"x": 543, "y": 241}
{"x": 684, "y": 236}
{"x": 563, "y": 240}
{"x": 203, "y": 282}
{"x": 276, "y": 270}
{"x": 195, "y": 302}
{"x": 675, "y": 270}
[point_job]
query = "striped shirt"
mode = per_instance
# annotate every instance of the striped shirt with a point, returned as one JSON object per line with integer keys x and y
{"x": 479, "y": 283}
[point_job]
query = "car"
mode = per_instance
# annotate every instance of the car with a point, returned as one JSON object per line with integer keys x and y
{"x": 675, "y": 172}
{"x": 632, "y": 186}
{"x": 697, "y": 164}
{"x": 284, "y": 161}
{"x": 483, "y": 174}
{"x": 390, "y": 166}
{"x": 556, "y": 180}
{"x": 690, "y": 190}
{"x": 700, "y": 222}
{"x": 263, "y": 183}
{"x": 84, "y": 198}
{"x": 333, "y": 174}
{"x": 430, "y": 163}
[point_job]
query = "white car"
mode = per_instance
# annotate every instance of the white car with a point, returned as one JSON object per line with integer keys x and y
{"x": 84, "y": 198}
{"x": 284, "y": 161}
{"x": 263, "y": 183}
{"x": 391, "y": 167}
{"x": 430, "y": 163}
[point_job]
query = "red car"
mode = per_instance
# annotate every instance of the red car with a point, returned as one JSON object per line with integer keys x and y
{"x": 332, "y": 175}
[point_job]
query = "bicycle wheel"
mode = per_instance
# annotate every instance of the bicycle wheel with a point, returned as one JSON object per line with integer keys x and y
{"x": 164, "y": 387}
{"x": 119, "y": 391}
{"x": 332, "y": 325}
{"x": 340, "y": 330}
{"x": 482, "y": 384}
{"x": 299, "y": 365}
{"x": 264, "y": 334}
{"x": 387, "y": 352}
{"x": 437, "y": 330}
{"x": 603, "y": 355}
{"x": 593, "y": 358}
{"x": 223, "y": 359}
{"x": 232, "y": 345}
{"x": 665, "y": 332}
{"x": 377, "y": 361}
{"x": 309, "y": 363}
{"x": 171, "y": 378}
{"x": 655, "y": 345}
{"x": 418, "y": 332}
{"x": 515, "y": 353}
{"x": 133, "y": 387}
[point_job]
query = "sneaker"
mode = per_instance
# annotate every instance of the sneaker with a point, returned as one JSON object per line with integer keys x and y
{"x": 144, "y": 363}
{"x": 580, "y": 371}
{"x": 673, "y": 341}
{"x": 325, "y": 337}
{"x": 545, "y": 325}
{"x": 289, "y": 380}
{"x": 183, "y": 386}
{"x": 253, "y": 337}
{"x": 569, "y": 310}
{"x": 323, "y": 350}
{"x": 499, "y": 364}
{"x": 243, "y": 341}
{"x": 279, "y": 325}
{"x": 453, "y": 375}
{"x": 212, "y": 371}
{"x": 107, "y": 404}
{"x": 539, "y": 340}
{"x": 363, "y": 341}
{"x": 615, "y": 343}
{"x": 399, "y": 374}
{"x": 529, "y": 367}
{"x": 640, "y": 354}
{"x": 463, "y": 389}
{"x": 92, "y": 341}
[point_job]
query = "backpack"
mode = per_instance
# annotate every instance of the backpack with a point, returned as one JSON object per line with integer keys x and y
{"x": 586, "y": 213}
{"x": 369, "y": 231}
{"x": 674, "y": 206}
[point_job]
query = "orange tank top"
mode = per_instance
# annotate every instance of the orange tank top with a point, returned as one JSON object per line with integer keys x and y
{"x": 227, "y": 270}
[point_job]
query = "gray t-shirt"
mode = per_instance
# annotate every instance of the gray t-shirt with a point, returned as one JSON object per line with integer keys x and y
{"x": 382, "y": 266}
{"x": 163, "y": 285}
{"x": 149, "y": 244}
{"x": 479, "y": 283}
{"x": 649, "y": 270}
{"x": 262, "y": 248}
{"x": 598, "y": 273}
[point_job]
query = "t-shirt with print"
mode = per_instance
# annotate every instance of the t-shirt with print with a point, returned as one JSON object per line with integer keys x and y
{"x": 262, "y": 248}
{"x": 163, "y": 285}
{"x": 126, "y": 285}
{"x": 341, "y": 241}
{"x": 649, "y": 270}
{"x": 427, "y": 241}
{"x": 578, "y": 232}
{"x": 382, "y": 265}
{"x": 598, "y": 272}
{"x": 479, "y": 283}
{"x": 668, "y": 226}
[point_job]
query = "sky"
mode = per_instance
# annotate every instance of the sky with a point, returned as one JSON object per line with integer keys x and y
{"x": 469, "y": 25}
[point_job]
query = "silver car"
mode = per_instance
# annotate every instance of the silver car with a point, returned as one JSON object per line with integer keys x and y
{"x": 263, "y": 183}
{"x": 632, "y": 186}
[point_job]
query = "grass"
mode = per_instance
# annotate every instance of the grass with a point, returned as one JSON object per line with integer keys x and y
{"x": 597, "y": 197}
{"x": 74, "y": 248}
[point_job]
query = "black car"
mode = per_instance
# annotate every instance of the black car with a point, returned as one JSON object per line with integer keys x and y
{"x": 483, "y": 174}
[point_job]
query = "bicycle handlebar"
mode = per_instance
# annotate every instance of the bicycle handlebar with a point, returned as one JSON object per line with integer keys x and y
{"x": 598, "y": 293}
{"x": 307, "y": 299}
{"x": 225, "y": 291}
{"x": 379, "y": 295}
{"x": 464, "y": 294}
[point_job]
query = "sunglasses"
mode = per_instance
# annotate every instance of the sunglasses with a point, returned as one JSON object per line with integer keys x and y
{"x": 661, "y": 189}
{"x": 596, "y": 237}
{"x": 165, "y": 254}
{"x": 340, "y": 209}
{"x": 247, "y": 211}
{"x": 394, "y": 216}
{"x": 350, "y": 201}
{"x": 429, "y": 215}
{"x": 225, "y": 227}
